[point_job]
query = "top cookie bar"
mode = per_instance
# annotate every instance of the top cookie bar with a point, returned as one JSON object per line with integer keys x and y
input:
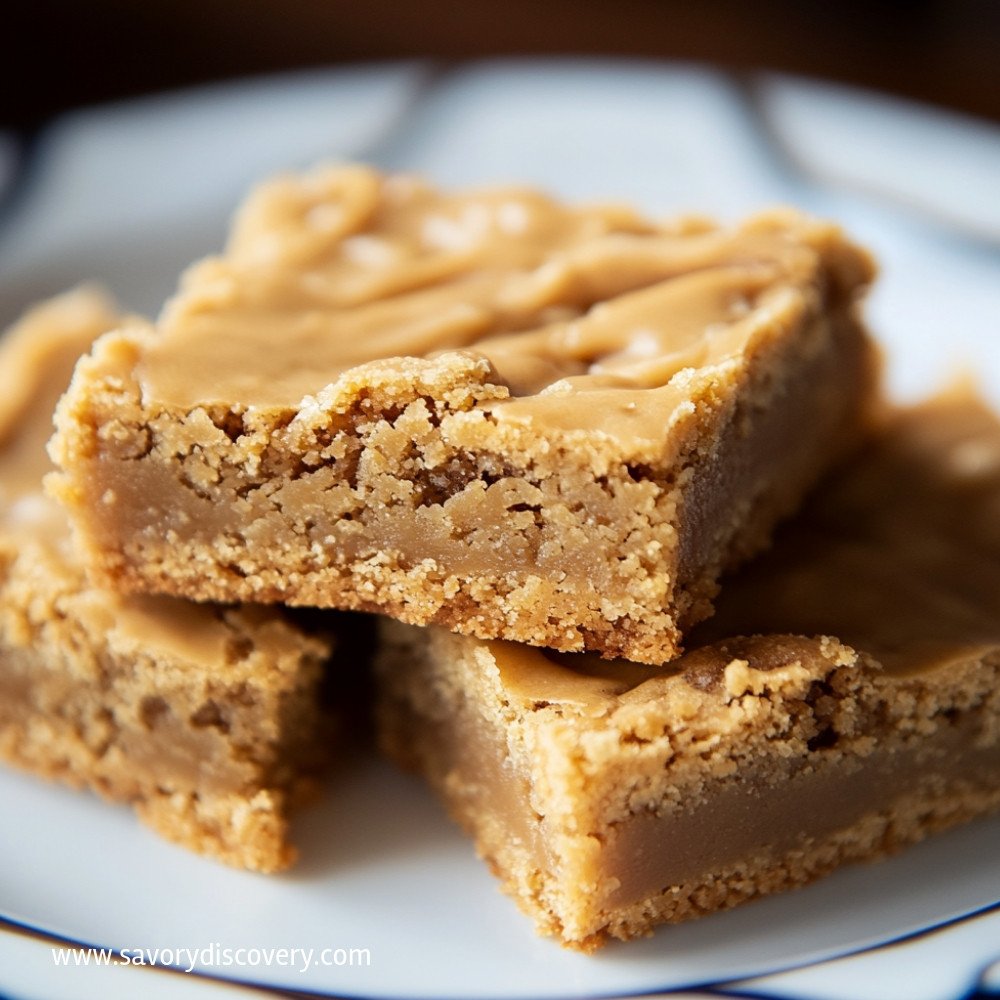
{"x": 518, "y": 419}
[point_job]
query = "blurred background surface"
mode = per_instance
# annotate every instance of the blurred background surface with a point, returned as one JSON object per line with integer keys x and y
{"x": 67, "y": 54}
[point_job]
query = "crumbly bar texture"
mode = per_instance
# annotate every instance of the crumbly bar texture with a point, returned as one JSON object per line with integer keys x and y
{"x": 844, "y": 703}
{"x": 489, "y": 411}
{"x": 206, "y": 719}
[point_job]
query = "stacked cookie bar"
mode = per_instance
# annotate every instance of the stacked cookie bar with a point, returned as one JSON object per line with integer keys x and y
{"x": 206, "y": 718}
{"x": 537, "y": 436}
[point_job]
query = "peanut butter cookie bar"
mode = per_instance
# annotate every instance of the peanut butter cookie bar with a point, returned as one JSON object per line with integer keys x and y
{"x": 844, "y": 703}
{"x": 488, "y": 410}
{"x": 205, "y": 719}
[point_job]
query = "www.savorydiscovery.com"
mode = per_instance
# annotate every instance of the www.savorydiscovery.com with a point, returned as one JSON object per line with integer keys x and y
{"x": 215, "y": 956}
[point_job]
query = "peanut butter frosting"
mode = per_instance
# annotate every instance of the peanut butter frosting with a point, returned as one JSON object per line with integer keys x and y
{"x": 591, "y": 317}
{"x": 898, "y": 557}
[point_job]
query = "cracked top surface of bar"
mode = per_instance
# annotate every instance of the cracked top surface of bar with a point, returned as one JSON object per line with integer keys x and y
{"x": 487, "y": 410}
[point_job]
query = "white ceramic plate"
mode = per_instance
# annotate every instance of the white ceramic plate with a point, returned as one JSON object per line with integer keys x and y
{"x": 130, "y": 194}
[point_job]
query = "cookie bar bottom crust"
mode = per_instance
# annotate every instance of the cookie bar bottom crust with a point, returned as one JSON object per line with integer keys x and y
{"x": 601, "y": 829}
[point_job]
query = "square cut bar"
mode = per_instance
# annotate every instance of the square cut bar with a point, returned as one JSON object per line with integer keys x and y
{"x": 845, "y": 703}
{"x": 206, "y": 719}
{"x": 488, "y": 411}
